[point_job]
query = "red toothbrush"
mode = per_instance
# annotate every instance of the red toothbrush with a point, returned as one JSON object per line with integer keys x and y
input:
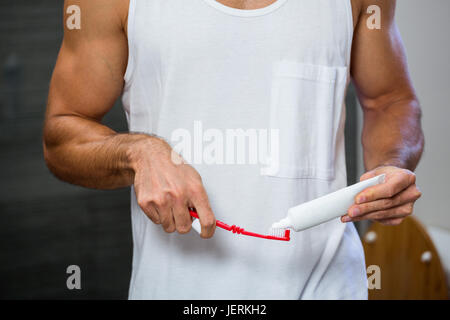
{"x": 278, "y": 234}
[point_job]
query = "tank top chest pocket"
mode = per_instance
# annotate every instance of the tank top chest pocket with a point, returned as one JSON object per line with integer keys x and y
{"x": 305, "y": 110}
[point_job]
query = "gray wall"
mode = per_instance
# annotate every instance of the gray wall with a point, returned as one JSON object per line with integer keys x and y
{"x": 425, "y": 27}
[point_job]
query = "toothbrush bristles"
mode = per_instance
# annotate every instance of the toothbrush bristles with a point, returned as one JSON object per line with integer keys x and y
{"x": 278, "y": 232}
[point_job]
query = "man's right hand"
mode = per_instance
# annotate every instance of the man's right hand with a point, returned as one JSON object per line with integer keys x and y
{"x": 166, "y": 188}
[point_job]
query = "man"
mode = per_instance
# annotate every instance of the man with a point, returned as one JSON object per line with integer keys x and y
{"x": 279, "y": 68}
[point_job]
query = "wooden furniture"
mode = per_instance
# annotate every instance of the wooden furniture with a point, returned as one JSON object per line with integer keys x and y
{"x": 409, "y": 263}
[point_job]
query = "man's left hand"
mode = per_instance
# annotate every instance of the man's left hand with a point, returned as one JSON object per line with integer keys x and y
{"x": 388, "y": 203}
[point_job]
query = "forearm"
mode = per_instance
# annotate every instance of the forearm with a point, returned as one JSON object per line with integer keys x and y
{"x": 84, "y": 152}
{"x": 392, "y": 135}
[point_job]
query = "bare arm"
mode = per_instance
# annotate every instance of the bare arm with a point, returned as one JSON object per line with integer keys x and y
{"x": 87, "y": 80}
{"x": 392, "y": 135}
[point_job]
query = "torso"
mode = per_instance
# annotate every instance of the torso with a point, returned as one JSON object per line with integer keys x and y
{"x": 202, "y": 68}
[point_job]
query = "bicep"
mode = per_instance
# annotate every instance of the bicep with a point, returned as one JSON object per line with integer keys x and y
{"x": 88, "y": 76}
{"x": 379, "y": 68}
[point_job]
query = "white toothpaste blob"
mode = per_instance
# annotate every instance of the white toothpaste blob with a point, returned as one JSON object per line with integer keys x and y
{"x": 326, "y": 208}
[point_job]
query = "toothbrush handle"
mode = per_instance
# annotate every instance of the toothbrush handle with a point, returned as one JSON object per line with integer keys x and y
{"x": 235, "y": 229}
{"x": 219, "y": 223}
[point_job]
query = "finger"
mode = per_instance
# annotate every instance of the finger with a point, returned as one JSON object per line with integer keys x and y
{"x": 153, "y": 215}
{"x": 164, "y": 208}
{"x": 199, "y": 200}
{"x": 167, "y": 220}
{"x": 390, "y": 188}
{"x": 401, "y": 211}
{"x": 391, "y": 222}
{"x": 182, "y": 217}
{"x": 368, "y": 175}
{"x": 149, "y": 210}
{"x": 411, "y": 194}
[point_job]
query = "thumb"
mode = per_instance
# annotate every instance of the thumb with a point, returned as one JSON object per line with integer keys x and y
{"x": 368, "y": 175}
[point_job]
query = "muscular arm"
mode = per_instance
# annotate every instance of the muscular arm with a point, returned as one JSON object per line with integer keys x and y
{"x": 87, "y": 80}
{"x": 392, "y": 133}
{"x": 392, "y": 136}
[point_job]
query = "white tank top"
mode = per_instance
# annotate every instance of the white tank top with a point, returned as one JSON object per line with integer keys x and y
{"x": 202, "y": 75}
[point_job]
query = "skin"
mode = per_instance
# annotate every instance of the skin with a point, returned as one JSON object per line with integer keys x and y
{"x": 88, "y": 78}
{"x": 392, "y": 135}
